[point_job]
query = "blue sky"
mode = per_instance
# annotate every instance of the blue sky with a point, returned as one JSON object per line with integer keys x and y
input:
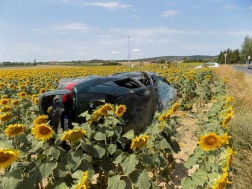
{"x": 63, "y": 30}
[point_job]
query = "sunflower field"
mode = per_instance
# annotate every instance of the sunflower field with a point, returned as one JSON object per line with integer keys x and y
{"x": 101, "y": 155}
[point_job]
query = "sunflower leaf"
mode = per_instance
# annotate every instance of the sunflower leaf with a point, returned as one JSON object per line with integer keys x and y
{"x": 140, "y": 179}
{"x": 46, "y": 168}
{"x": 129, "y": 134}
{"x": 129, "y": 163}
{"x": 114, "y": 181}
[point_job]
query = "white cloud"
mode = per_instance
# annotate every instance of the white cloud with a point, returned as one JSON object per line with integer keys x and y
{"x": 40, "y": 31}
{"x": 230, "y": 7}
{"x": 72, "y": 26}
{"x": 49, "y": 52}
{"x": 135, "y": 16}
{"x": 115, "y": 52}
{"x": 135, "y": 50}
{"x": 165, "y": 40}
{"x": 80, "y": 54}
{"x": 250, "y": 8}
{"x": 216, "y": 0}
{"x": 109, "y": 5}
{"x": 196, "y": 6}
{"x": 134, "y": 10}
{"x": 170, "y": 13}
{"x": 21, "y": 53}
{"x": 139, "y": 54}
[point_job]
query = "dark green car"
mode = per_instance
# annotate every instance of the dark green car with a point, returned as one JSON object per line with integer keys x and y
{"x": 142, "y": 92}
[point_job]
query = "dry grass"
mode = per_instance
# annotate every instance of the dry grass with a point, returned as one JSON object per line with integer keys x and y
{"x": 240, "y": 87}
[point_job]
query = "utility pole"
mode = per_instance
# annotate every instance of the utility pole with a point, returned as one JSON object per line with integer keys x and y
{"x": 225, "y": 58}
{"x": 128, "y": 48}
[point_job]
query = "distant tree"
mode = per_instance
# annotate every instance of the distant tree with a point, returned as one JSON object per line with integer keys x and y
{"x": 221, "y": 58}
{"x": 246, "y": 48}
{"x": 185, "y": 59}
{"x": 161, "y": 61}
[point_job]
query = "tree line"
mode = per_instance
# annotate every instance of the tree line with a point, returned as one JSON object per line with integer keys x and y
{"x": 237, "y": 55}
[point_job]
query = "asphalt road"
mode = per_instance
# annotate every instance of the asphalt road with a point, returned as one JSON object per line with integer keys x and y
{"x": 244, "y": 69}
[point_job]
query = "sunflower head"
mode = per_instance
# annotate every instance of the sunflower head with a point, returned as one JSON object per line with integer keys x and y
{"x": 43, "y": 90}
{"x": 22, "y": 94}
{"x": 15, "y": 102}
{"x": 209, "y": 141}
{"x": 42, "y": 132}
{"x": 7, "y": 157}
{"x": 5, "y": 117}
{"x": 120, "y": 110}
{"x": 103, "y": 110}
{"x": 224, "y": 139}
{"x": 227, "y": 119}
{"x": 22, "y": 87}
{"x": 94, "y": 117}
{"x": 73, "y": 135}
{"x": 175, "y": 107}
{"x": 4, "y": 96}
{"x": 13, "y": 130}
{"x": 221, "y": 182}
{"x": 5, "y": 109}
{"x": 4, "y": 102}
{"x": 36, "y": 101}
{"x": 41, "y": 119}
{"x": 139, "y": 142}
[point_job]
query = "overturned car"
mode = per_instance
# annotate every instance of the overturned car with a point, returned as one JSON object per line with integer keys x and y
{"x": 142, "y": 92}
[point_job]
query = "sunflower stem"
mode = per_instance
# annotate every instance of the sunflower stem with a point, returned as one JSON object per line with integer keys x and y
{"x": 72, "y": 146}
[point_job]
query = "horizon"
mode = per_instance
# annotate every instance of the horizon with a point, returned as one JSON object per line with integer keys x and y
{"x": 66, "y": 30}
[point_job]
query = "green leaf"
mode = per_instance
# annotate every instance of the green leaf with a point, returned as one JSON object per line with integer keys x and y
{"x": 129, "y": 163}
{"x": 105, "y": 165}
{"x": 98, "y": 150}
{"x": 191, "y": 161}
{"x": 99, "y": 136}
{"x": 166, "y": 174}
{"x": 112, "y": 148}
{"x": 85, "y": 165}
{"x": 121, "y": 140}
{"x": 35, "y": 175}
{"x": 187, "y": 183}
{"x": 109, "y": 133}
{"x": 73, "y": 159}
{"x": 118, "y": 130}
{"x": 129, "y": 134}
{"x": 199, "y": 177}
{"x": 36, "y": 146}
{"x": 84, "y": 114}
{"x": 21, "y": 139}
{"x": 46, "y": 168}
{"x": 26, "y": 183}
{"x": 62, "y": 186}
{"x": 114, "y": 181}
{"x": 75, "y": 124}
{"x": 154, "y": 186}
{"x": 77, "y": 174}
{"x": 163, "y": 143}
{"x": 18, "y": 165}
{"x": 121, "y": 157}
{"x": 61, "y": 170}
{"x": 140, "y": 179}
{"x": 11, "y": 179}
{"x": 52, "y": 151}
{"x": 147, "y": 160}
{"x": 115, "y": 121}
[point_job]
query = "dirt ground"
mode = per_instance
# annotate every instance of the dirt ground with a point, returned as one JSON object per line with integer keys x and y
{"x": 35, "y": 67}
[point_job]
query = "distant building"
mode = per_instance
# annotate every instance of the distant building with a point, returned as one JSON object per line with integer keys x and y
{"x": 53, "y": 62}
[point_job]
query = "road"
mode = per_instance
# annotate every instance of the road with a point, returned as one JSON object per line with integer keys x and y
{"x": 244, "y": 69}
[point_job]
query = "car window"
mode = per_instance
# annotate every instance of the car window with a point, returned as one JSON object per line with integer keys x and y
{"x": 211, "y": 64}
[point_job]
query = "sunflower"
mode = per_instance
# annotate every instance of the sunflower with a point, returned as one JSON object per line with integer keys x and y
{"x": 41, "y": 119}
{"x": 4, "y": 96}
{"x": 230, "y": 99}
{"x": 139, "y": 142}
{"x": 103, "y": 110}
{"x": 5, "y": 117}
{"x": 7, "y": 157}
{"x": 11, "y": 86}
{"x": 2, "y": 85}
{"x": 15, "y": 102}
{"x": 208, "y": 77}
{"x": 22, "y": 87}
{"x": 162, "y": 125}
{"x": 224, "y": 139}
{"x": 227, "y": 119}
{"x": 94, "y": 117}
{"x": 28, "y": 82}
{"x": 84, "y": 183}
{"x": 162, "y": 117}
{"x": 209, "y": 142}
{"x": 34, "y": 96}
{"x": 120, "y": 110}
{"x": 4, "y": 102}
{"x": 228, "y": 111}
{"x": 73, "y": 135}
{"x": 221, "y": 182}
{"x": 22, "y": 95}
{"x": 175, "y": 107}
{"x": 13, "y": 130}
{"x": 36, "y": 101}
{"x": 230, "y": 153}
{"x": 5, "y": 109}
{"x": 42, "y": 132}
{"x": 43, "y": 90}
{"x": 183, "y": 114}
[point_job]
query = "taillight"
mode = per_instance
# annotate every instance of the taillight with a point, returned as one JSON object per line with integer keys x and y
{"x": 69, "y": 87}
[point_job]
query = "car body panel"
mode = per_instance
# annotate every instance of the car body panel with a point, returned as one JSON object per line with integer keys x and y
{"x": 208, "y": 65}
{"x": 143, "y": 93}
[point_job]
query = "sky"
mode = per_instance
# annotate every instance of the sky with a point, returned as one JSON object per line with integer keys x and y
{"x": 66, "y": 30}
